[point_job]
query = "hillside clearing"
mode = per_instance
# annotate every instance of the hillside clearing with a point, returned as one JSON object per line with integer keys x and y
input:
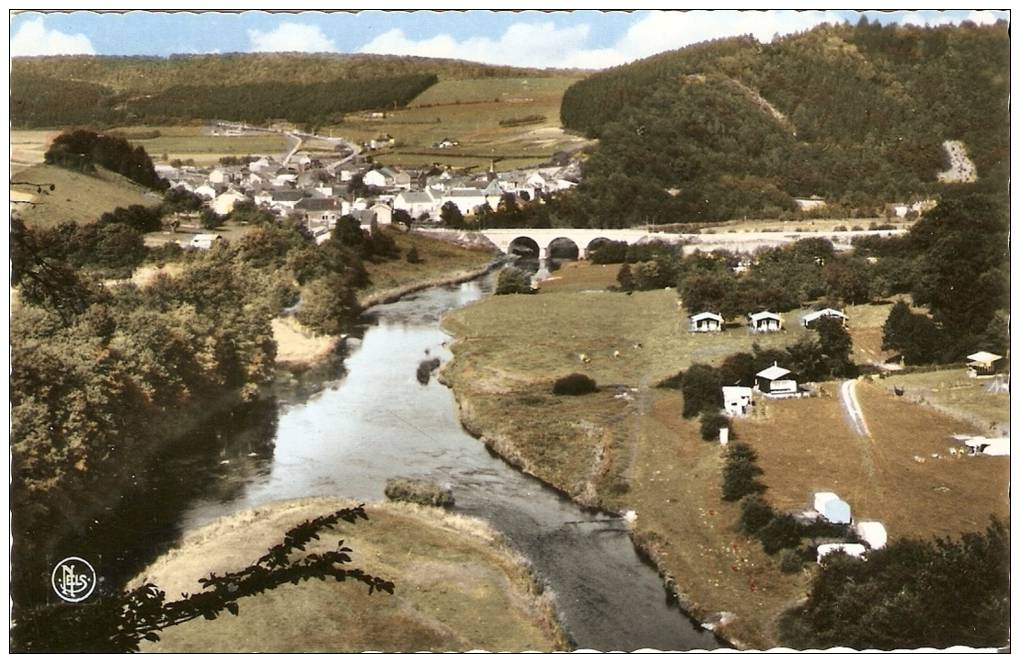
{"x": 458, "y": 586}
{"x": 78, "y": 197}
{"x": 956, "y": 393}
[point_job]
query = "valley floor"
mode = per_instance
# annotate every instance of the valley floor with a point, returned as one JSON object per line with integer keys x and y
{"x": 626, "y": 446}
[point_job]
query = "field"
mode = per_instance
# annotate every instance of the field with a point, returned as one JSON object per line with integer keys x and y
{"x": 77, "y": 197}
{"x": 470, "y": 111}
{"x": 28, "y": 148}
{"x": 957, "y": 394}
{"x": 195, "y": 142}
{"x": 626, "y": 447}
{"x": 457, "y": 586}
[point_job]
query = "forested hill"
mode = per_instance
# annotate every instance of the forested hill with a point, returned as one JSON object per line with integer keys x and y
{"x": 851, "y": 113}
{"x": 104, "y": 91}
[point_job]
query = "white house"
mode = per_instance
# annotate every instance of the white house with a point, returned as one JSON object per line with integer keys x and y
{"x": 775, "y": 381}
{"x": 855, "y": 550}
{"x": 809, "y": 319}
{"x": 219, "y": 176}
{"x": 383, "y": 213}
{"x": 737, "y": 400}
{"x": 765, "y": 321}
{"x": 983, "y": 363}
{"x": 832, "y": 508}
{"x": 706, "y": 321}
{"x": 467, "y": 199}
{"x": 386, "y": 176}
{"x": 285, "y": 198}
{"x": 206, "y": 191}
{"x": 224, "y": 202}
{"x": 261, "y": 164}
{"x": 872, "y": 533}
{"x": 416, "y": 203}
{"x": 204, "y": 241}
{"x": 366, "y": 218}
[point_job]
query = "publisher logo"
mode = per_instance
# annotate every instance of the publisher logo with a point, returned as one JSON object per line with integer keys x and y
{"x": 73, "y": 579}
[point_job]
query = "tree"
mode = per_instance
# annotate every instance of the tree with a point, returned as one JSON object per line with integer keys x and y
{"x": 835, "y": 346}
{"x": 512, "y": 281}
{"x": 914, "y": 335}
{"x": 710, "y": 291}
{"x": 711, "y": 423}
{"x": 451, "y": 216}
{"x": 328, "y": 304}
{"x": 624, "y": 278}
{"x": 211, "y": 220}
{"x": 702, "y": 390}
{"x": 413, "y": 256}
{"x": 122, "y": 620}
{"x": 850, "y": 279}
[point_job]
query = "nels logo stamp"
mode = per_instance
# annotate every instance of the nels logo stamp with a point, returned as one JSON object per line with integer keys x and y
{"x": 73, "y": 579}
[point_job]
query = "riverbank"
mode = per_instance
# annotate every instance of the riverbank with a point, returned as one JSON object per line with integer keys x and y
{"x": 458, "y": 585}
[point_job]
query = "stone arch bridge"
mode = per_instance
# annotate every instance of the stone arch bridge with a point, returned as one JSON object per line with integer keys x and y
{"x": 583, "y": 239}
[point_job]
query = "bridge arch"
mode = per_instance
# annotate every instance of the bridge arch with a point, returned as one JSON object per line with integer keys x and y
{"x": 563, "y": 247}
{"x": 595, "y": 244}
{"x": 525, "y": 246}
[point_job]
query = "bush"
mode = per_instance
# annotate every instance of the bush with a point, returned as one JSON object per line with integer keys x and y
{"x": 741, "y": 452}
{"x": 780, "y": 533}
{"x": 673, "y": 381}
{"x": 702, "y": 390}
{"x": 512, "y": 281}
{"x": 755, "y": 513}
{"x": 574, "y": 384}
{"x": 739, "y": 480}
{"x": 418, "y": 491}
{"x": 791, "y": 562}
{"x": 609, "y": 252}
{"x": 711, "y": 423}
{"x": 413, "y": 256}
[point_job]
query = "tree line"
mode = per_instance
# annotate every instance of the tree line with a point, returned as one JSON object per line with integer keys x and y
{"x": 83, "y": 150}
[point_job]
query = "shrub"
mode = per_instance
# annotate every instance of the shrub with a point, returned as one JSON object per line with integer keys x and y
{"x": 791, "y": 562}
{"x": 711, "y": 423}
{"x": 739, "y": 480}
{"x": 609, "y": 252}
{"x": 755, "y": 513}
{"x": 512, "y": 281}
{"x": 702, "y": 391}
{"x": 418, "y": 491}
{"x": 781, "y": 532}
{"x": 574, "y": 384}
{"x": 741, "y": 451}
{"x": 673, "y": 381}
{"x": 413, "y": 256}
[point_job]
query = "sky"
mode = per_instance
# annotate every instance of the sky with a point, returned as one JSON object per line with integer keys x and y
{"x": 561, "y": 39}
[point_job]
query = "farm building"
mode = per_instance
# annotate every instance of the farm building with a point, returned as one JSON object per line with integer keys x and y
{"x": 706, "y": 321}
{"x": 855, "y": 550}
{"x": 765, "y": 321}
{"x": 737, "y": 400}
{"x": 775, "y": 381}
{"x": 983, "y": 363}
{"x": 872, "y": 533}
{"x": 829, "y": 506}
{"x": 808, "y": 319}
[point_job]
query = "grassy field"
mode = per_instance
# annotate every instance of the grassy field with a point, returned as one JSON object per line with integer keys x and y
{"x": 28, "y": 148}
{"x": 77, "y": 197}
{"x": 626, "y": 446}
{"x": 458, "y": 586}
{"x": 194, "y": 142}
{"x": 438, "y": 259}
{"x": 956, "y": 393}
{"x": 470, "y": 111}
{"x": 229, "y": 230}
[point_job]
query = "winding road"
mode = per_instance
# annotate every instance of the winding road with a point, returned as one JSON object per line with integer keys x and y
{"x": 852, "y": 409}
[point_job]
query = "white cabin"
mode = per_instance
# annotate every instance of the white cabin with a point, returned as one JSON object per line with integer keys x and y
{"x": 706, "y": 321}
{"x": 737, "y": 400}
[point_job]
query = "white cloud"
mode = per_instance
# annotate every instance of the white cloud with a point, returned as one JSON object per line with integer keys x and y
{"x": 291, "y": 37}
{"x": 546, "y": 45}
{"x": 32, "y": 39}
{"x": 522, "y": 44}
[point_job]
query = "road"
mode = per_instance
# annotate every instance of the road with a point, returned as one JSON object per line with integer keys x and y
{"x": 299, "y": 138}
{"x": 852, "y": 409}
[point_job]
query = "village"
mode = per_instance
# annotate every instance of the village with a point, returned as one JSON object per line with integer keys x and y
{"x": 319, "y": 190}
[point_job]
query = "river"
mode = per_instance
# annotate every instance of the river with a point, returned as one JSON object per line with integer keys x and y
{"x": 367, "y": 419}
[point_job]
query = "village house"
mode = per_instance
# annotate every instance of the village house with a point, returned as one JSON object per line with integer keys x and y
{"x": 319, "y": 211}
{"x": 383, "y": 213}
{"x": 366, "y": 218}
{"x": 285, "y": 199}
{"x": 706, "y": 321}
{"x": 262, "y": 164}
{"x": 775, "y": 381}
{"x": 809, "y": 204}
{"x": 224, "y": 202}
{"x": 417, "y": 203}
{"x": 982, "y": 364}
{"x": 387, "y": 177}
{"x": 765, "y": 321}
{"x": 220, "y": 176}
{"x": 206, "y": 191}
{"x": 204, "y": 241}
{"x": 737, "y": 400}
{"x": 809, "y": 319}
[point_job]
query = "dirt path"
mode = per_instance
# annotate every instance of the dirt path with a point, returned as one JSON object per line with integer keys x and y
{"x": 852, "y": 409}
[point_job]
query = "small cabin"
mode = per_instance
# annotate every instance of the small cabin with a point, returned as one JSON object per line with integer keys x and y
{"x": 737, "y": 400}
{"x": 764, "y": 321}
{"x": 809, "y": 319}
{"x": 775, "y": 381}
{"x": 706, "y": 321}
{"x": 832, "y": 508}
{"x": 981, "y": 364}
{"x": 855, "y": 550}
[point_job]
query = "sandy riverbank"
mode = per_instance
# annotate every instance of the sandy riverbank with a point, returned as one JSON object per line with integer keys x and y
{"x": 458, "y": 586}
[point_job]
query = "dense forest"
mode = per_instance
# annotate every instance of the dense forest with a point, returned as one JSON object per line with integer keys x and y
{"x": 47, "y": 102}
{"x": 83, "y": 150}
{"x": 734, "y": 128}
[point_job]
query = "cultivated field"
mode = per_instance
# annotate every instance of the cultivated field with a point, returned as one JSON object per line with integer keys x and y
{"x": 194, "y": 142}
{"x": 77, "y": 197}
{"x": 470, "y": 112}
{"x": 457, "y": 586}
